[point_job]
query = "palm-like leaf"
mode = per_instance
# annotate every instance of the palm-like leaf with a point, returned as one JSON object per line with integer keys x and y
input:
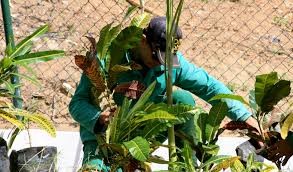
{"x": 11, "y": 118}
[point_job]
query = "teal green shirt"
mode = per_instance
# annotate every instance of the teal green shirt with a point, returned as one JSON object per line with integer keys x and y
{"x": 188, "y": 76}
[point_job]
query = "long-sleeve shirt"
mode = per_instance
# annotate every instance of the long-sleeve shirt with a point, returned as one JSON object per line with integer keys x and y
{"x": 187, "y": 76}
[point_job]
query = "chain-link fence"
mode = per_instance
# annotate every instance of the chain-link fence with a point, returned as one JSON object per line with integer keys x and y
{"x": 233, "y": 40}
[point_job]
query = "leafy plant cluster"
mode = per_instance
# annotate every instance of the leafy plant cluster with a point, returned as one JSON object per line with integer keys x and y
{"x": 21, "y": 55}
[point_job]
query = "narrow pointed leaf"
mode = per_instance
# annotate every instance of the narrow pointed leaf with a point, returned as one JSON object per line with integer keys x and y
{"x": 19, "y": 47}
{"x": 188, "y": 157}
{"x": 215, "y": 117}
{"x": 139, "y": 148}
{"x": 262, "y": 84}
{"x": 43, "y": 56}
{"x": 27, "y": 77}
{"x": 11, "y": 118}
{"x": 130, "y": 10}
{"x": 159, "y": 115}
{"x": 39, "y": 119}
{"x": 286, "y": 126}
{"x": 141, "y": 20}
{"x": 113, "y": 127}
{"x": 152, "y": 128}
{"x": 277, "y": 92}
{"x": 143, "y": 99}
{"x": 229, "y": 96}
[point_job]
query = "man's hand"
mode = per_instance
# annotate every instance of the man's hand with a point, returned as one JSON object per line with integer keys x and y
{"x": 280, "y": 149}
{"x": 105, "y": 117}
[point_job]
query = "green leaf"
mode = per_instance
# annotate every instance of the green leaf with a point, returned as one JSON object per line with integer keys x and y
{"x": 43, "y": 56}
{"x": 225, "y": 164}
{"x": 277, "y": 92}
{"x": 215, "y": 160}
{"x": 11, "y": 118}
{"x": 152, "y": 128}
{"x": 107, "y": 35}
{"x": 159, "y": 115}
{"x": 229, "y": 96}
{"x": 9, "y": 49}
{"x": 188, "y": 157}
{"x": 25, "y": 42}
{"x": 27, "y": 77}
{"x": 214, "y": 119}
{"x": 237, "y": 166}
{"x": 286, "y": 126}
{"x": 141, "y": 21}
{"x": 211, "y": 149}
{"x": 127, "y": 39}
{"x": 252, "y": 102}
{"x": 262, "y": 84}
{"x": 130, "y": 10}
{"x": 143, "y": 98}
{"x": 113, "y": 127}
{"x": 157, "y": 160}
{"x": 200, "y": 122}
{"x": 139, "y": 148}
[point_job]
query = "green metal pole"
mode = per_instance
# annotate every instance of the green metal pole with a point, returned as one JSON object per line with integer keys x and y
{"x": 9, "y": 37}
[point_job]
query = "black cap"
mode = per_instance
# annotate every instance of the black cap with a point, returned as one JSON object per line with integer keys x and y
{"x": 156, "y": 33}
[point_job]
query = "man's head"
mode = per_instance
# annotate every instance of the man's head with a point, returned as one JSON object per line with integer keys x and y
{"x": 153, "y": 44}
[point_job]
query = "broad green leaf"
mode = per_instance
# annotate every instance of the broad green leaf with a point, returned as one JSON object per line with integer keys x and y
{"x": 107, "y": 35}
{"x": 159, "y": 115}
{"x": 43, "y": 56}
{"x": 277, "y": 92}
{"x": 20, "y": 46}
{"x": 188, "y": 157}
{"x": 229, "y": 96}
{"x": 143, "y": 98}
{"x": 215, "y": 160}
{"x": 130, "y": 10}
{"x": 11, "y": 118}
{"x": 237, "y": 166}
{"x": 39, "y": 119}
{"x": 211, "y": 149}
{"x": 214, "y": 119}
{"x": 286, "y": 126}
{"x": 141, "y": 20}
{"x": 225, "y": 164}
{"x": 200, "y": 122}
{"x": 127, "y": 39}
{"x": 252, "y": 102}
{"x": 262, "y": 84}
{"x": 139, "y": 148}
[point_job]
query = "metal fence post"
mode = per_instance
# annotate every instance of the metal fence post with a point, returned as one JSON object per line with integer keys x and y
{"x": 9, "y": 37}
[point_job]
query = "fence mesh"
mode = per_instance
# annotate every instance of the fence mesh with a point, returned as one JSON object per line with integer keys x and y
{"x": 233, "y": 40}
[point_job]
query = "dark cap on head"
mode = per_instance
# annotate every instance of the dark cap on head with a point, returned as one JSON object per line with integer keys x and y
{"x": 156, "y": 34}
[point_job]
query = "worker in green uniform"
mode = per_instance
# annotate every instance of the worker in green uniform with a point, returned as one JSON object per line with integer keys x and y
{"x": 150, "y": 54}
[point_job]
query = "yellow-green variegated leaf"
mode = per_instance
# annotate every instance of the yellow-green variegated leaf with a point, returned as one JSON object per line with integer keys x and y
{"x": 287, "y": 125}
{"x": 237, "y": 166}
{"x": 37, "y": 118}
{"x": 225, "y": 164}
{"x": 121, "y": 68}
{"x": 142, "y": 20}
{"x": 12, "y": 119}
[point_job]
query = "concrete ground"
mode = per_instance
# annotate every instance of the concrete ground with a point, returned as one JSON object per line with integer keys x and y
{"x": 70, "y": 148}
